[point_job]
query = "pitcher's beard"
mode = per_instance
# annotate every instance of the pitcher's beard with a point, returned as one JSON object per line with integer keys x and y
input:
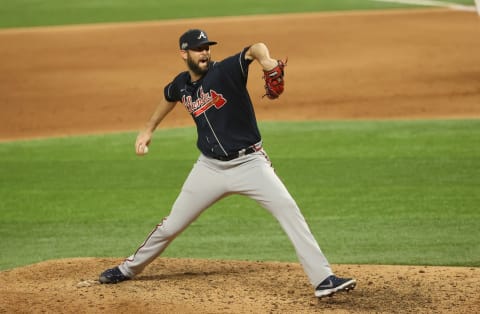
{"x": 195, "y": 68}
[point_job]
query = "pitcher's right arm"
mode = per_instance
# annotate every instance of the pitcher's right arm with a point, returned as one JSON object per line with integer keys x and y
{"x": 145, "y": 136}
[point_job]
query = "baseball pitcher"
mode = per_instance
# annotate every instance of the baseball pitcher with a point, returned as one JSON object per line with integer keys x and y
{"x": 232, "y": 158}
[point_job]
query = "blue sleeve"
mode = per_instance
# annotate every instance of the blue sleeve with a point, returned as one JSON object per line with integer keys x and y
{"x": 237, "y": 66}
{"x": 172, "y": 89}
{"x": 170, "y": 92}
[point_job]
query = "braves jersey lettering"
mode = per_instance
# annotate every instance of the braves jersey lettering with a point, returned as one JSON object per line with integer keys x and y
{"x": 204, "y": 102}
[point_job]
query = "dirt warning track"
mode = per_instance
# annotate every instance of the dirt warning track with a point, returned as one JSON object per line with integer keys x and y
{"x": 102, "y": 78}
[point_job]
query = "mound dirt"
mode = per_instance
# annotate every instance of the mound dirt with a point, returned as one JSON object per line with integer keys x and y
{"x": 89, "y": 79}
{"x": 212, "y": 286}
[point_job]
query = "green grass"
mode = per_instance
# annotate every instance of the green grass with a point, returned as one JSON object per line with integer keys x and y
{"x": 22, "y": 13}
{"x": 396, "y": 192}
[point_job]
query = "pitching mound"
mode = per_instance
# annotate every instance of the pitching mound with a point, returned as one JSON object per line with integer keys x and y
{"x": 206, "y": 286}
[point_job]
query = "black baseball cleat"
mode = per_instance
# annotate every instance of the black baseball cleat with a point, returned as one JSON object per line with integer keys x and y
{"x": 334, "y": 284}
{"x": 112, "y": 275}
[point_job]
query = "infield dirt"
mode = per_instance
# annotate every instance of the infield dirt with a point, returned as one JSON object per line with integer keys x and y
{"x": 60, "y": 81}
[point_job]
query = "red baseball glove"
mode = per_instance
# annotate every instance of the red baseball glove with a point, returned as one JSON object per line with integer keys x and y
{"x": 274, "y": 82}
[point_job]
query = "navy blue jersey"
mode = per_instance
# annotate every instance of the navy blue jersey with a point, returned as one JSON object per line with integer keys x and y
{"x": 220, "y": 105}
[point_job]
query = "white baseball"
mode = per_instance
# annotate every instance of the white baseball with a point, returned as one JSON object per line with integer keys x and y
{"x": 145, "y": 149}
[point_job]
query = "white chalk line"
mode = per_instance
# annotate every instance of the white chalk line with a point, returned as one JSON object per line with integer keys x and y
{"x": 433, "y": 3}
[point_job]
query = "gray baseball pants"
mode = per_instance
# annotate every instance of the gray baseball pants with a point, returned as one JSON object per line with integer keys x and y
{"x": 209, "y": 181}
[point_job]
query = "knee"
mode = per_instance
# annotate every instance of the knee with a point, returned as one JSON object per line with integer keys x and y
{"x": 285, "y": 206}
{"x": 287, "y": 202}
{"x": 167, "y": 230}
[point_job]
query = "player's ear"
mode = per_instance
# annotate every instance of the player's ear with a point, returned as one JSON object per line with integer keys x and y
{"x": 183, "y": 54}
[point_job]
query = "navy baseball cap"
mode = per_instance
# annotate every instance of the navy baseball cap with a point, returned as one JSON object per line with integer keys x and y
{"x": 194, "y": 38}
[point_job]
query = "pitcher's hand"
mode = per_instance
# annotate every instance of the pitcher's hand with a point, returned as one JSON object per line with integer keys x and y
{"x": 142, "y": 142}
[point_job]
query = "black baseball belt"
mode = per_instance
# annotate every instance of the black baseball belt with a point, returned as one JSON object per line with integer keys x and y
{"x": 246, "y": 151}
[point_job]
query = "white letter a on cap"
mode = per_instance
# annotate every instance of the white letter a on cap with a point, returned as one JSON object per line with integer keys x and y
{"x": 202, "y": 35}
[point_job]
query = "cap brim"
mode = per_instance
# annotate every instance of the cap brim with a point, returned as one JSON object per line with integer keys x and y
{"x": 210, "y": 43}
